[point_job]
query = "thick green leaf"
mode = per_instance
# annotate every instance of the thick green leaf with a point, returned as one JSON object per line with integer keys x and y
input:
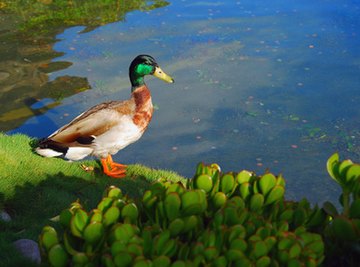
{"x": 343, "y": 229}
{"x": 190, "y": 223}
{"x": 294, "y": 251}
{"x": 93, "y": 232}
{"x": 105, "y": 203}
{"x": 58, "y": 256}
{"x": 161, "y": 261}
{"x": 49, "y": 237}
{"x": 276, "y": 194}
{"x": 245, "y": 190}
{"x": 130, "y": 211}
{"x": 259, "y": 249}
{"x": 353, "y": 173}
{"x": 192, "y": 203}
{"x": 227, "y": 183}
{"x": 172, "y": 204}
{"x": 65, "y": 217}
{"x": 123, "y": 259}
{"x": 96, "y": 215}
{"x": 122, "y": 232}
{"x": 256, "y": 202}
{"x": 176, "y": 226}
{"x": 176, "y": 187}
{"x": 343, "y": 168}
{"x": 266, "y": 183}
{"x": 160, "y": 241}
{"x": 80, "y": 259}
{"x": 114, "y": 192}
{"x": 219, "y": 200}
{"x": 331, "y": 166}
{"x": 263, "y": 262}
{"x": 204, "y": 182}
{"x": 111, "y": 216}
{"x": 243, "y": 176}
{"x": 239, "y": 244}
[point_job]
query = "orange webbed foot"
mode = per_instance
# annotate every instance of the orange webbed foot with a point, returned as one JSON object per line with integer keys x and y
{"x": 113, "y": 169}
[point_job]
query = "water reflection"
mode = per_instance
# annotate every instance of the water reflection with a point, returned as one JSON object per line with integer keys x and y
{"x": 28, "y": 33}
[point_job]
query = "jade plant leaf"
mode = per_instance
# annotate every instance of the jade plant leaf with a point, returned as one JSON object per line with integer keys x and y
{"x": 111, "y": 216}
{"x": 176, "y": 226}
{"x": 114, "y": 192}
{"x": 332, "y": 166}
{"x": 80, "y": 258}
{"x": 172, "y": 205}
{"x": 266, "y": 183}
{"x": 160, "y": 241}
{"x": 58, "y": 256}
{"x": 123, "y": 259}
{"x": 353, "y": 173}
{"x": 65, "y": 217}
{"x": 259, "y": 249}
{"x": 243, "y": 176}
{"x": 191, "y": 203}
{"x": 130, "y": 211}
{"x": 216, "y": 167}
{"x": 49, "y": 237}
{"x": 204, "y": 182}
{"x": 123, "y": 232}
{"x": 276, "y": 194}
{"x": 105, "y": 203}
{"x": 190, "y": 223}
{"x": 176, "y": 187}
{"x": 343, "y": 229}
{"x": 245, "y": 190}
{"x": 343, "y": 168}
{"x": 219, "y": 200}
{"x": 162, "y": 261}
{"x": 227, "y": 183}
{"x": 239, "y": 244}
{"x": 96, "y": 215}
{"x": 93, "y": 232}
{"x": 256, "y": 202}
{"x": 263, "y": 261}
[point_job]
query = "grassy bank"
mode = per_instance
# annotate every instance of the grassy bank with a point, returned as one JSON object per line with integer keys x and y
{"x": 34, "y": 189}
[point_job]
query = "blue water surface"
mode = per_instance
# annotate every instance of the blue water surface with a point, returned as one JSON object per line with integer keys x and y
{"x": 259, "y": 85}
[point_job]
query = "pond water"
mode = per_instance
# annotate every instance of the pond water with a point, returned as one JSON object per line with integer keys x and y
{"x": 258, "y": 86}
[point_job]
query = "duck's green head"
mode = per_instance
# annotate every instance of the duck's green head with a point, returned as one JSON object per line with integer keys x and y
{"x": 145, "y": 65}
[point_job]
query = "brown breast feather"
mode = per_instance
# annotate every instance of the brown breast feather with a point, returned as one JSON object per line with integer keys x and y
{"x": 144, "y": 108}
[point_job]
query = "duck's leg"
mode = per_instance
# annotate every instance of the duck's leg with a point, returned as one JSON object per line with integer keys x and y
{"x": 113, "y": 169}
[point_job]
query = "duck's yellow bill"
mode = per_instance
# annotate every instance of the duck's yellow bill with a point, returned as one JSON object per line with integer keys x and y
{"x": 162, "y": 75}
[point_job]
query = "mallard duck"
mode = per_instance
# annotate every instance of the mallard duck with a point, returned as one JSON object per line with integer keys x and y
{"x": 106, "y": 128}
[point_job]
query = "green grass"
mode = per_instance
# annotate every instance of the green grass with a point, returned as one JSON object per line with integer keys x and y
{"x": 34, "y": 189}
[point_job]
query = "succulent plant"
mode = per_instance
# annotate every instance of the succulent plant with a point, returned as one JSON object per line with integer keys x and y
{"x": 342, "y": 233}
{"x": 215, "y": 219}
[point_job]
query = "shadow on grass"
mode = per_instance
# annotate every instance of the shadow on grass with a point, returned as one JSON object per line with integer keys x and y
{"x": 32, "y": 207}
